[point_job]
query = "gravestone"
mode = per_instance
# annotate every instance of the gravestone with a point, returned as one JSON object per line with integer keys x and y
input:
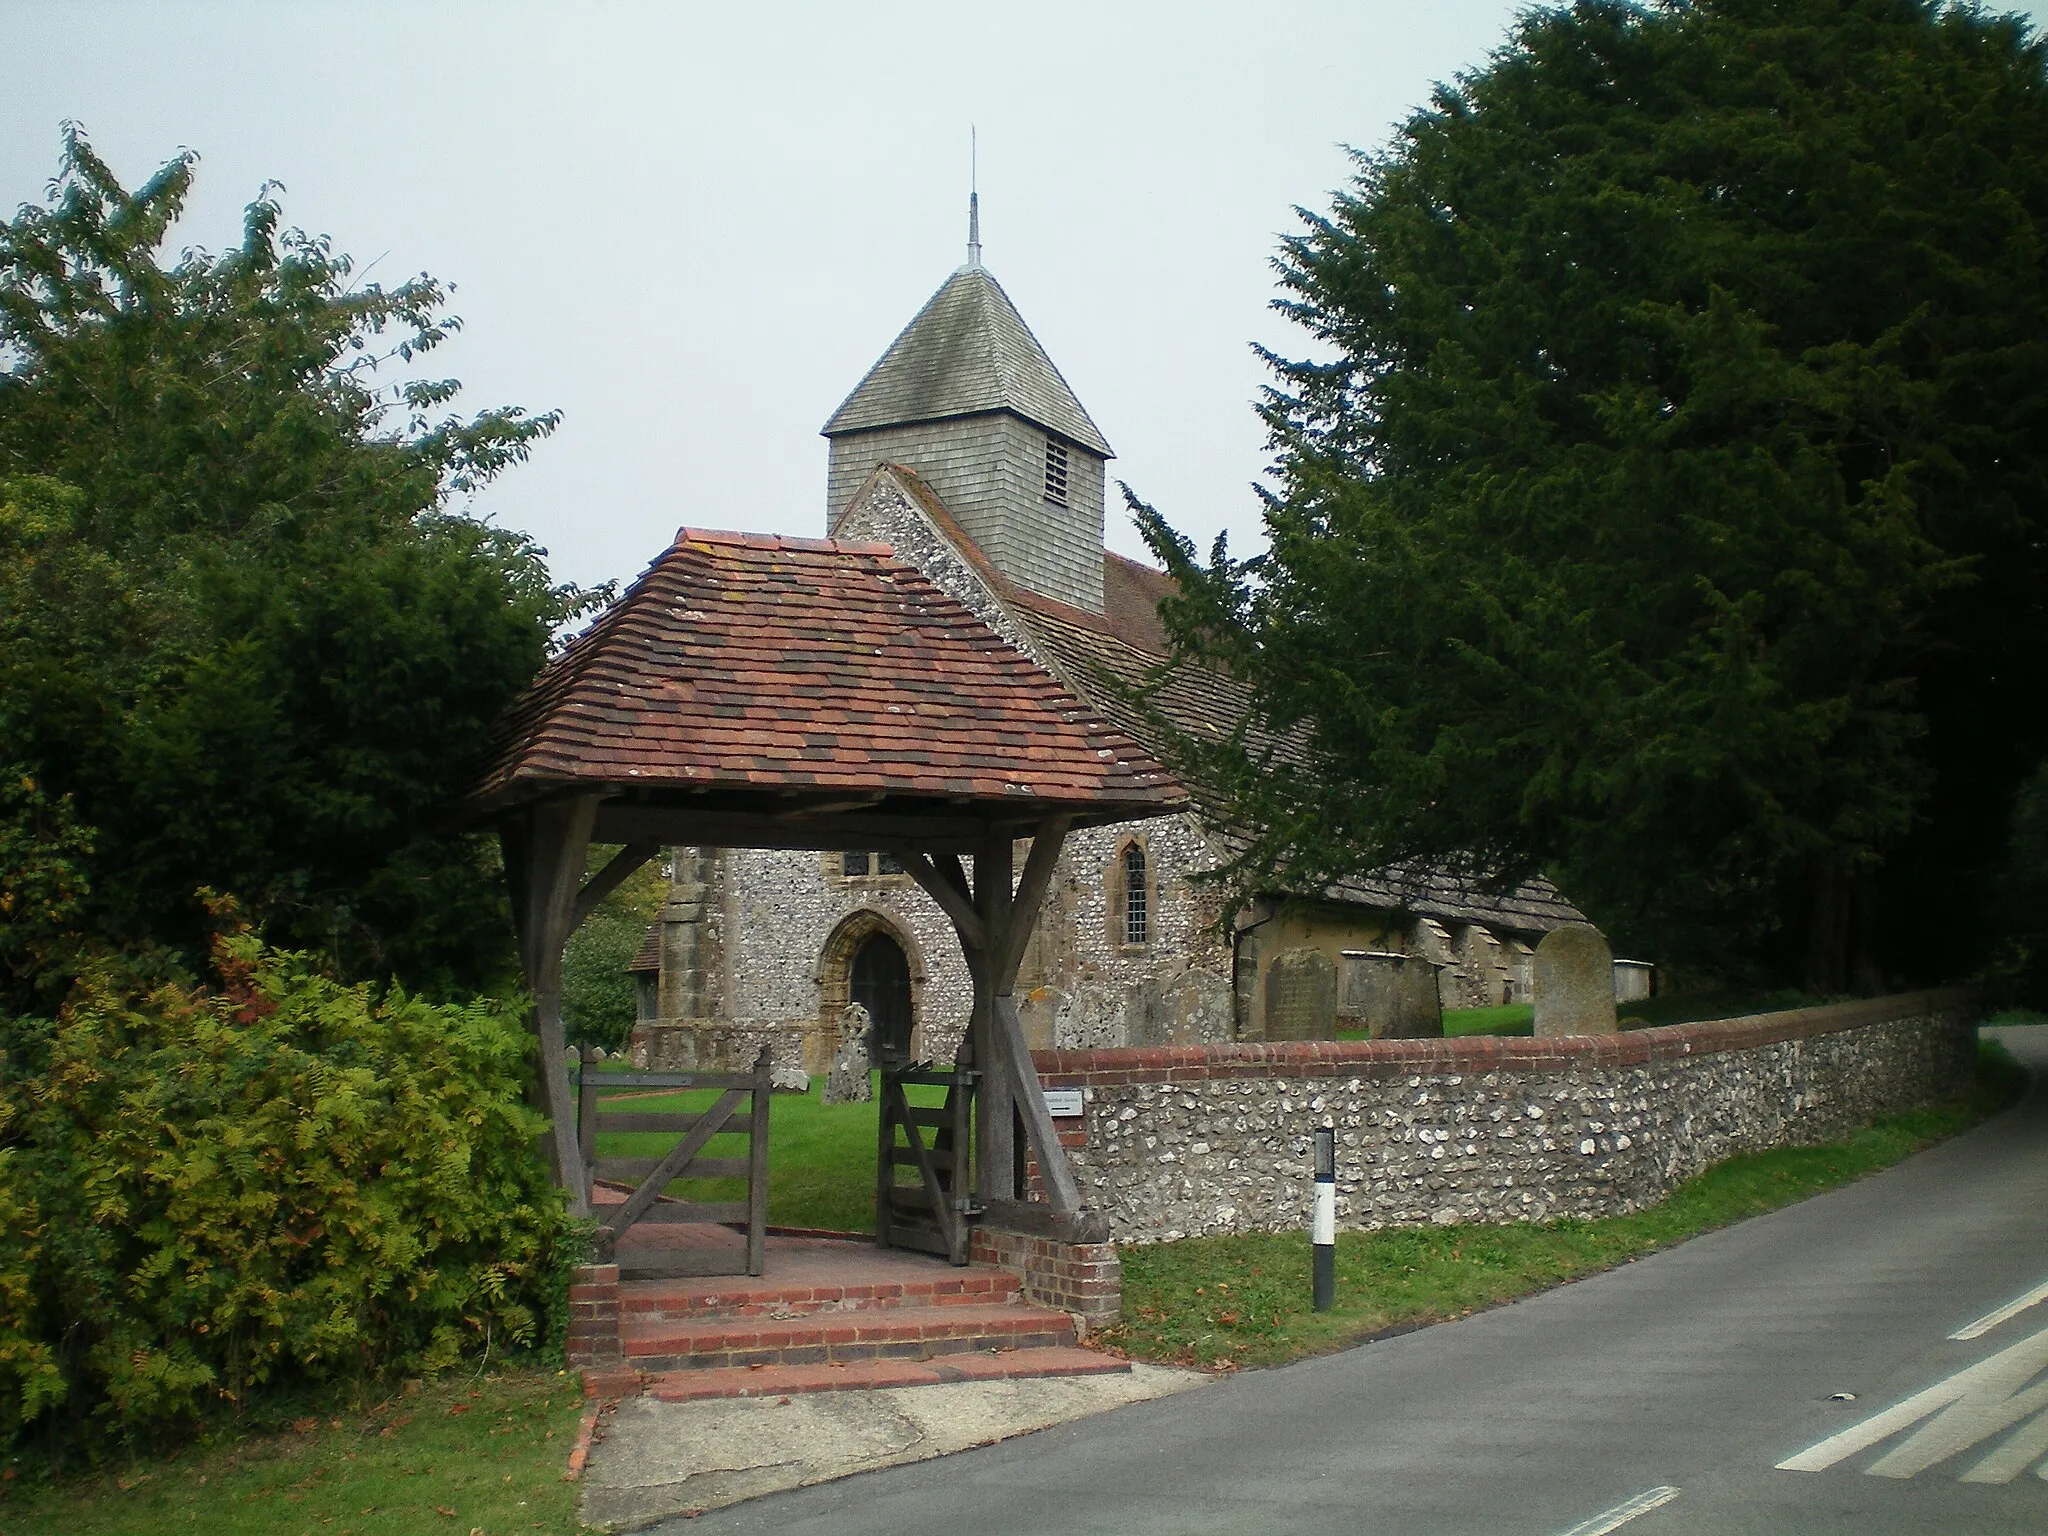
{"x": 1391, "y": 996}
{"x": 1574, "y": 982}
{"x": 848, "y": 1081}
{"x": 1301, "y": 996}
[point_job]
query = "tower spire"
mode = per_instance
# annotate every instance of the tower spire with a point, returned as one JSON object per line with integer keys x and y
{"x": 973, "y": 201}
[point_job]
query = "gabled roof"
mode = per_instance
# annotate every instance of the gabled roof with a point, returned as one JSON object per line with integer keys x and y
{"x": 753, "y": 662}
{"x": 967, "y": 352}
{"x": 1104, "y": 656}
{"x": 646, "y": 959}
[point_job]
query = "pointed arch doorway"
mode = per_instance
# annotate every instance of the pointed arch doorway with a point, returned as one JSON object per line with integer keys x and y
{"x": 878, "y": 978}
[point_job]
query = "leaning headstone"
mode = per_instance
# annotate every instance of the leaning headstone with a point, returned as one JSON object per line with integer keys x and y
{"x": 1574, "y": 983}
{"x": 1391, "y": 996}
{"x": 1301, "y": 996}
{"x": 848, "y": 1081}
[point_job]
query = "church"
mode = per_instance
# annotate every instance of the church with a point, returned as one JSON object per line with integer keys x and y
{"x": 965, "y": 450}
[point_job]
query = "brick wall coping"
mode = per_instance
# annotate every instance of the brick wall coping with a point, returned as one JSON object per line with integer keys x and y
{"x": 1479, "y": 1053}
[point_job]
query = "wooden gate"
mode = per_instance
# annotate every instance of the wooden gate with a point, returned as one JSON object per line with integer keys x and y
{"x": 741, "y": 1109}
{"x": 935, "y": 1213}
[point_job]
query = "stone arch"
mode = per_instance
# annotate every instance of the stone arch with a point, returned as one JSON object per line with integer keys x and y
{"x": 835, "y": 966}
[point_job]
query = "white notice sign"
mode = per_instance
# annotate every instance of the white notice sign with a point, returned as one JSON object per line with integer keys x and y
{"x": 1065, "y": 1103}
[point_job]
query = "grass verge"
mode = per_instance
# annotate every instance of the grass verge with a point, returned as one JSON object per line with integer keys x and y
{"x": 480, "y": 1457}
{"x": 1225, "y": 1302}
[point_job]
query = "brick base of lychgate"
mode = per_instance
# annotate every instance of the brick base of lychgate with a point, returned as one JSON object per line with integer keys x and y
{"x": 594, "y": 1339}
{"x": 1084, "y": 1279}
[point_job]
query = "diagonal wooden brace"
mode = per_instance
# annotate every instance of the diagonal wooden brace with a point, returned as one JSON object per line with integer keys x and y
{"x": 679, "y": 1158}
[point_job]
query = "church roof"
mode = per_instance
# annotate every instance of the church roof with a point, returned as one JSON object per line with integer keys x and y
{"x": 758, "y": 663}
{"x": 1108, "y": 657}
{"x": 967, "y": 352}
{"x": 646, "y": 959}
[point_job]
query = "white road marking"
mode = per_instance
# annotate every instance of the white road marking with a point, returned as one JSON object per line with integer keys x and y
{"x": 2013, "y": 1308}
{"x": 1970, "y": 1406}
{"x": 1614, "y": 1519}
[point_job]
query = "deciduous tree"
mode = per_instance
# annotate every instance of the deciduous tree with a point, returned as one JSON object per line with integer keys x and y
{"x": 247, "y": 639}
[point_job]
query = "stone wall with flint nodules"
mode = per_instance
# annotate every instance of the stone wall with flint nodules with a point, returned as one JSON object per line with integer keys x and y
{"x": 1178, "y": 1141}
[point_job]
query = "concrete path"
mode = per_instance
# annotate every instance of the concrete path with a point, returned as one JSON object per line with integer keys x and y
{"x": 660, "y": 1459}
{"x": 1794, "y": 1374}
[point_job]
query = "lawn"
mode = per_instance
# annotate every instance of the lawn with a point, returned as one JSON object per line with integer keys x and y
{"x": 1222, "y": 1302}
{"x": 482, "y": 1456}
{"x": 821, "y": 1165}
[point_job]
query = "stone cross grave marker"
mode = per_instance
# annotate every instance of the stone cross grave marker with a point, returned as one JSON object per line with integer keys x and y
{"x": 848, "y": 1082}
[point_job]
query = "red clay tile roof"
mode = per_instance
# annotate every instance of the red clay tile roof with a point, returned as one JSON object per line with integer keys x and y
{"x": 1106, "y": 656}
{"x": 754, "y": 661}
{"x": 647, "y": 958}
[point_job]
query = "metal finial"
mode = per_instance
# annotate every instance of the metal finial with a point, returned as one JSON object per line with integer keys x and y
{"x": 973, "y": 199}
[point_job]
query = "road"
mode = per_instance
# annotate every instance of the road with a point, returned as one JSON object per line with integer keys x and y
{"x": 1694, "y": 1393}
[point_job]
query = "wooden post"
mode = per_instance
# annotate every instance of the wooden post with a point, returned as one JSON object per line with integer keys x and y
{"x": 996, "y": 1113}
{"x": 757, "y": 1165}
{"x": 586, "y": 1113}
{"x": 1032, "y": 1120}
{"x": 995, "y": 923}
{"x": 555, "y": 843}
{"x": 885, "y": 1163}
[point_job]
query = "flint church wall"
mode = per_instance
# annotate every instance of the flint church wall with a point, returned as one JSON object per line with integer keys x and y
{"x": 1181, "y": 1141}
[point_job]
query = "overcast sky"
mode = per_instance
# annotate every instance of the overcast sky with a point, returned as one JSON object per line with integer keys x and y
{"x": 693, "y": 227}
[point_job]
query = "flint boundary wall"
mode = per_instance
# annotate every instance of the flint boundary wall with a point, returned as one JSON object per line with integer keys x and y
{"x": 1178, "y": 1141}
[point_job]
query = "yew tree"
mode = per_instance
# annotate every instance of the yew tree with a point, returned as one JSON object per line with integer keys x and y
{"x": 248, "y": 641}
{"x": 1659, "y": 493}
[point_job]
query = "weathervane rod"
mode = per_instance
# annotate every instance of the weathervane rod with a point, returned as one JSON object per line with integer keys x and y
{"x": 973, "y": 198}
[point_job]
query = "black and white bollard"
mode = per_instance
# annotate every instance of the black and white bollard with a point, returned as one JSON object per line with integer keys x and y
{"x": 1323, "y": 1226}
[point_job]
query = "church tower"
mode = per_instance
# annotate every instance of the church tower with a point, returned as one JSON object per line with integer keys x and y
{"x": 967, "y": 397}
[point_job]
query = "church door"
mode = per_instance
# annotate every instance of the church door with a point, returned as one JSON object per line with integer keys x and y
{"x": 880, "y": 982}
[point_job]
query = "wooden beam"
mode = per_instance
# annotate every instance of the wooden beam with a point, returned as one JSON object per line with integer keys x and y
{"x": 847, "y": 831}
{"x": 943, "y": 1211}
{"x": 621, "y": 1217}
{"x": 611, "y": 877}
{"x": 515, "y": 834}
{"x": 830, "y": 807}
{"x": 996, "y": 1159}
{"x": 1031, "y": 887}
{"x": 558, "y": 843}
{"x": 1061, "y": 1190}
{"x": 949, "y": 865}
{"x": 757, "y": 1164}
{"x": 957, "y": 906}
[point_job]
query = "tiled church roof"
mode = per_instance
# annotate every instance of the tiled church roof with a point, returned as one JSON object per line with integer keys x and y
{"x": 966, "y": 352}
{"x": 752, "y": 661}
{"x": 647, "y": 958}
{"x": 1120, "y": 648}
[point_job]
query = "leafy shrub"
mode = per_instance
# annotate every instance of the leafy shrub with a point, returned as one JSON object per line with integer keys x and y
{"x": 210, "y": 1193}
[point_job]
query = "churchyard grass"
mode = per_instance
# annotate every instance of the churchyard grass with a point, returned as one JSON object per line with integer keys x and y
{"x": 1225, "y": 1302}
{"x": 821, "y": 1157}
{"x": 464, "y": 1454}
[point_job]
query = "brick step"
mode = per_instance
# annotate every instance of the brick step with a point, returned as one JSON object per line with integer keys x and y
{"x": 745, "y": 1296}
{"x": 892, "y": 1333}
{"x": 863, "y": 1375}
